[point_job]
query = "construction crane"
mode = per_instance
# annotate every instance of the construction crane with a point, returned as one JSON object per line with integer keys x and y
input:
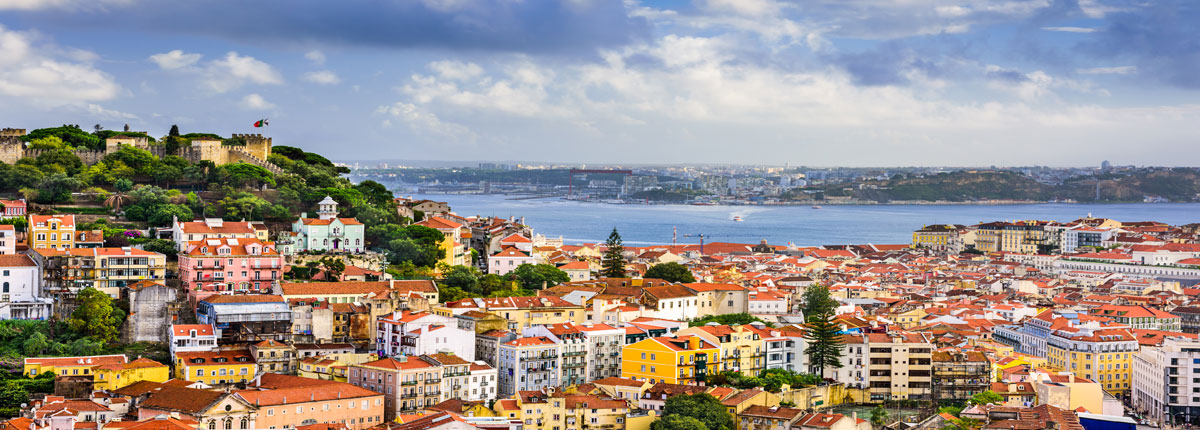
{"x": 701, "y": 236}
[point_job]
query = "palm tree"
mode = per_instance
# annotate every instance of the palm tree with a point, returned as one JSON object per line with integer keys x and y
{"x": 119, "y": 198}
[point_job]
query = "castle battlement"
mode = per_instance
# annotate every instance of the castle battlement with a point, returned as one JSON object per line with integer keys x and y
{"x": 256, "y": 150}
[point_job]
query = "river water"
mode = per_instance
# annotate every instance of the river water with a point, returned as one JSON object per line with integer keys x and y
{"x": 579, "y": 222}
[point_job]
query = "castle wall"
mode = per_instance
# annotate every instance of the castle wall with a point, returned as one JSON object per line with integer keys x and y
{"x": 11, "y": 149}
{"x": 255, "y": 152}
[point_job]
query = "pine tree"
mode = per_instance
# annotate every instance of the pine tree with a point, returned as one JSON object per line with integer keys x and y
{"x": 613, "y": 265}
{"x": 824, "y": 343}
{"x": 817, "y": 301}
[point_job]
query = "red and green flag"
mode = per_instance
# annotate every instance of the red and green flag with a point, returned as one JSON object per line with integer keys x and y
{"x": 260, "y": 123}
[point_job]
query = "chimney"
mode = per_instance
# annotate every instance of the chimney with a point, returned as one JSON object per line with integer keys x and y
{"x": 855, "y": 416}
{"x": 694, "y": 343}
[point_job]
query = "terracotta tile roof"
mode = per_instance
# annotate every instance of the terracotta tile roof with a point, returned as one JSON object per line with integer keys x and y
{"x": 530, "y": 341}
{"x": 238, "y": 247}
{"x": 624, "y": 382}
{"x": 510, "y": 252}
{"x": 95, "y": 360}
{"x": 305, "y": 394}
{"x": 775, "y": 412}
{"x": 393, "y": 363}
{"x": 64, "y": 220}
{"x": 185, "y": 329}
{"x": 244, "y": 298}
{"x": 16, "y": 260}
{"x": 378, "y": 288}
{"x": 190, "y": 401}
{"x": 226, "y": 227}
{"x": 318, "y": 221}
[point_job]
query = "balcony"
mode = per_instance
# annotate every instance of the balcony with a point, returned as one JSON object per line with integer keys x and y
{"x": 408, "y": 395}
{"x": 409, "y": 383}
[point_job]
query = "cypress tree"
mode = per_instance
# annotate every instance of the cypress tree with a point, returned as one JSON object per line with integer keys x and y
{"x": 613, "y": 264}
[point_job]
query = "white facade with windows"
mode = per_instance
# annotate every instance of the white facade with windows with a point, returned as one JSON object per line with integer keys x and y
{"x": 20, "y": 290}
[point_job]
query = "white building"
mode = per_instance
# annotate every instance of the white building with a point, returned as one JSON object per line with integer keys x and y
{"x": 1164, "y": 382}
{"x": 604, "y": 343}
{"x": 436, "y": 338}
{"x": 768, "y": 302}
{"x": 192, "y": 338}
{"x": 507, "y": 260}
{"x": 1081, "y": 235}
{"x": 529, "y": 364}
{"x": 394, "y": 334}
{"x": 21, "y": 294}
{"x": 483, "y": 383}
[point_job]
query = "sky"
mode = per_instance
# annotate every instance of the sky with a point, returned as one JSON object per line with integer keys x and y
{"x": 813, "y": 82}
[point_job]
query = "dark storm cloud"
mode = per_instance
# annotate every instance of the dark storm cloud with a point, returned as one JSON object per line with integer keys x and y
{"x": 532, "y": 26}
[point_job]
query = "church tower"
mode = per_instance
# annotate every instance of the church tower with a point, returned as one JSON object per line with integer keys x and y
{"x": 327, "y": 208}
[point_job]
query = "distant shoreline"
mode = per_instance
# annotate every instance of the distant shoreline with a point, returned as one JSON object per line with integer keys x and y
{"x": 523, "y": 196}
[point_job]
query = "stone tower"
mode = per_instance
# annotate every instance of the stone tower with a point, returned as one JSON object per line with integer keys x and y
{"x": 327, "y": 208}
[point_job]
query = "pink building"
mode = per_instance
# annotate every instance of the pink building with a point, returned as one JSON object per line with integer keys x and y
{"x": 214, "y": 266}
{"x": 12, "y": 209}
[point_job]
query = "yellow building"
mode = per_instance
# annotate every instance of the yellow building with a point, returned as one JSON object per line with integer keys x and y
{"x": 1023, "y": 237}
{"x": 674, "y": 360}
{"x": 114, "y": 376}
{"x": 70, "y": 366}
{"x": 540, "y": 411}
{"x": 909, "y": 318}
{"x": 325, "y": 368}
{"x": 941, "y": 237}
{"x": 105, "y": 269}
{"x": 525, "y": 312}
{"x": 742, "y": 348}
{"x": 1104, "y": 356}
{"x": 51, "y": 231}
{"x": 215, "y": 368}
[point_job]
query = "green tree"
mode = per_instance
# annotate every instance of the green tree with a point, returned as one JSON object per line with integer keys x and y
{"x": 677, "y": 422}
{"x": 817, "y": 301}
{"x": 491, "y": 283}
{"x": 24, "y": 176}
{"x": 879, "y": 416}
{"x": 162, "y": 215}
{"x": 13, "y": 394}
{"x": 245, "y": 175}
{"x": 538, "y": 276}
{"x": 462, "y": 277}
{"x": 613, "y": 264}
{"x": 96, "y": 316}
{"x": 333, "y": 267}
{"x": 728, "y": 319}
{"x": 161, "y": 246}
{"x": 35, "y": 345}
{"x": 824, "y": 343}
{"x": 986, "y": 398}
{"x": 56, "y": 188}
{"x": 670, "y": 272}
{"x": 140, "y": 160}
{"x": 703, "y": 407}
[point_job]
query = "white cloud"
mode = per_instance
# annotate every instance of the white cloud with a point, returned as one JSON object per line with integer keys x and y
{"x": 1070, "y": 29}
{"x": 60, "y": 4}
{"x": 425, "y": 122}
{"x": 696, "y": 90}
{"x": 456, "y": 70}
{"x": 105, "y": 113}
{"x": 254, "y": 101}
{"x": 322, "y": 77}
{"x": 1119, "y": 70}
{"x": 317, "y": 57}
{"x": 235, "y": 70}
{"x": 46, "y": 75}
{"x": 175, "y": 59}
